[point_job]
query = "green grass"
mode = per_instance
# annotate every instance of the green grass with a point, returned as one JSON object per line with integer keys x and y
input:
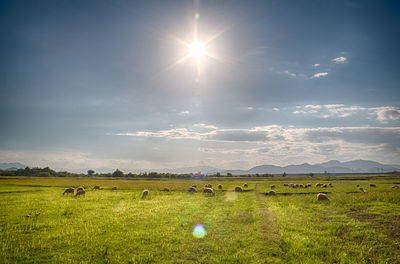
{"x": 249, "y": 227}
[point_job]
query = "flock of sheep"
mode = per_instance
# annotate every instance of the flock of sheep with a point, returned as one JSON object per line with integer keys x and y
{"x": 208, "y": 189}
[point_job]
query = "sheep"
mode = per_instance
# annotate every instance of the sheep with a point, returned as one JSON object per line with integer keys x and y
{"x": 272, "y": 186}
{"x": 208, "y": 185}
{"x": 318, "y": 184}
{"x": 395, "y": 187}
{"x": 301, "y": 186}
{"x": 209, "y": 190}
{"x": 96, "y": 187}
{"x": 192, "y": 189}
{"x": 194, "y": 186}
{"x": 324, "y": 186}
{"x": 245, "y": 185}
{"x": 330, "y": 185}
{"x": 362, "y": 190}
{"x": 114, "y": 188}
{"x": 372, "y": 185}
{"x": 145, "y": 193}
{"x": 69, "y": 190}
{"x": 322, "y": 197}
{"x": 295, "y": 185}
{"x": 271, "y": 192}
{"x": 309, "y": 184}
{"x": 306, "y": 186}
{"x": 79, "y": 193}
{"x": 166, "y": 189}
{"x": 219, "y": 186}
{"x": 79, "y": 188}
{"x": 358, "y": 185}
{"x": 285, "y": 184}
{"x": 238, "y": 189}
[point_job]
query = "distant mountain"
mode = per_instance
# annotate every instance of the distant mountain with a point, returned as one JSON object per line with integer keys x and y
{"x": 12, "y": 166}
{"x": 333, "y": 166}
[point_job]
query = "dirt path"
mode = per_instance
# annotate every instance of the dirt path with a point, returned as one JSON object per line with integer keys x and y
{"x": 269, "y": 231}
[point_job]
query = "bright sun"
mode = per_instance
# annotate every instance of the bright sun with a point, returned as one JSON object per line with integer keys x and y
{"x": 197, "y": 49}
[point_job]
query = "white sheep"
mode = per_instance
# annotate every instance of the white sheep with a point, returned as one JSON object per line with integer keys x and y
{"x": 114, "y": 188}
{"x": 219, "y": 186}
{"x": 145, "y": 193}
{"x": 166, "y": 190}
{"x": 272, "y": 186}
{"x": 238, "y": 189}
{"x": 80, "y": 193}
{"x": 209, "y": 190}
{"x": 245, "y": 185}
{"x": 372, "y": 185}
{"x": 192, "y": 189}
{"x": 69, "y": 190}
{"x": 271, "y": 192}
{"x": 96, "y": 187}
{"x": 322, "y": 197}
{"x": 362, "y": 190}
{"x": 395, "y": 187}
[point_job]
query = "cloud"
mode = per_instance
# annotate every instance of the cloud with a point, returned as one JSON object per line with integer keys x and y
{"x": 290, "y": 73}
{"x": 320, "y": 74}
{"x": 383, "y": 114}
{"x": 316, "y": 65}
{"x": 275, "y": 109}
{"x": 185, "y": 113}
{"x": 386, "y": 113}
{"x": 340, "y": 60}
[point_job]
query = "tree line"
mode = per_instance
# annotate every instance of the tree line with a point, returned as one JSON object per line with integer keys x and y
{"x": 47, "y": 172}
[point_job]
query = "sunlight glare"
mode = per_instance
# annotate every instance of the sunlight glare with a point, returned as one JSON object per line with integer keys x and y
{"x": 197, "y": 49}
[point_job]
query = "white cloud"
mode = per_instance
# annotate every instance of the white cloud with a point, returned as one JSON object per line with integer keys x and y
{"x": 340, "y": 60}
{"x": 250, "y": 108}
{"x": 290, "y": 73}
{"x": 185, "y": 113}
{"x": 320, "y": 74}
{"x": 275, "y": 109}
{"x": 316, "y": 65}
{"x": 386, "y": 113}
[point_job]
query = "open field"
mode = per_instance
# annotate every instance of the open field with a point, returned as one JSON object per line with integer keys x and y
{"x": 247, "y": 227}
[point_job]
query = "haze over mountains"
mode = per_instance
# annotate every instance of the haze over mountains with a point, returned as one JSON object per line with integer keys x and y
{"x": 332, "y": 166}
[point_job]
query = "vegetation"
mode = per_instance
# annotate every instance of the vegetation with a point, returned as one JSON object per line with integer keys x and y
{"x": 38, "y": 224}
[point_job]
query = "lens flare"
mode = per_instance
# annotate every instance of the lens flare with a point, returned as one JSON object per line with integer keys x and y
{"x": 199, "y": 231}
{"x": 197, "y": 16}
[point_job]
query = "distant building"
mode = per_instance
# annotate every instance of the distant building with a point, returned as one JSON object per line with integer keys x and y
{"x": 197, "y": 176}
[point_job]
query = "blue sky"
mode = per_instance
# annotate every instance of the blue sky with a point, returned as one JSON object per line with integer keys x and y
{"x": 94, "y": 84}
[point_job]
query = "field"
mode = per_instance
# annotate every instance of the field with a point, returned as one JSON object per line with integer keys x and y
{"x": 248, "y": 227}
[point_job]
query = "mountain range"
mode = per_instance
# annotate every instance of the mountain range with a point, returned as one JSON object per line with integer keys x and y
{"x": 332, "y": 166}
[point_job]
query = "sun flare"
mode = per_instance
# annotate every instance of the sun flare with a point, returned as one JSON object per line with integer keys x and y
{"x": 197, "y": 49}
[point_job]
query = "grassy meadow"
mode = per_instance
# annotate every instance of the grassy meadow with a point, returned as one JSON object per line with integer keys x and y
{"x": 249, "y": 227}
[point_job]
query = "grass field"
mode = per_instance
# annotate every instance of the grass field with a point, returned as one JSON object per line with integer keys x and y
{"x": 248, "y": 227}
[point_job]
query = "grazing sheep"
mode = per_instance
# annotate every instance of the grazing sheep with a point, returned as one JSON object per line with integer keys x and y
{"x": 362, "y": 190}
{"x": 145, "y": 193}
{"x": 80, "y": 193}
{"x": 301, "y": 186}
{"x": 79, "y": 188}
{"x": 192, "y": 189}
{"x": 285, "y": 184}
{"x": 114, "y": 188}
{"x": 372, "y": 185}
{"x": 272, "y": 186}
{"x": 69, "y": 190}
{"x": 96, "y": 187}
{"x": 194, "y": 186}
{"x": 245, "y": 185}
{"x": 209, "y": 190}
{"x": 208, "y": 185}
{"x": 318, "y": 184}
{"x": 306, "y": 186}
{"x": 330, "y": 185}
{"x": 309, "y": 184}
{"x": 295, "y": 185}
{"x": 238, "y": 189}
{"x": 27, "y": 216}
{"x": 395, "y": 187}
{"x": 166, "y": 189}
{"x": 322, "y": 197}
{"x": 324, "y": 186}
{"x": 219, "y": 186}
{"x": 271, "y": 192}
{"x": 358, "y": 185}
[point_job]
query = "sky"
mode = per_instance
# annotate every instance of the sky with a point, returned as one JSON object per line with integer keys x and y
{"x": 112, "y": 84}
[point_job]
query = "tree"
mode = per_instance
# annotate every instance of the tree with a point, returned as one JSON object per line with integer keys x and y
{"x": 218, "y": 174}
{"x": 118, "y": 173}
{"x": 90, "y": 172}
{"x": 284, "y": 174}
{"x": 229, "y": 174}
{"x": 311, "y": 174}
